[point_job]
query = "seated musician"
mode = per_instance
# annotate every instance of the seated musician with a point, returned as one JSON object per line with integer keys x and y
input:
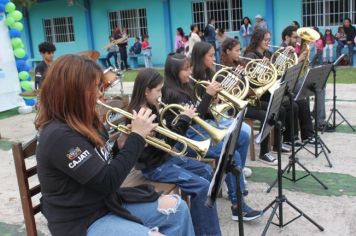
{"x": 258, "y": 49}
{"x": 178, "y": 89}
{"x": 80, "y": 175}
{"x": 192, "y": 177}
{"x": 290, "y": 37}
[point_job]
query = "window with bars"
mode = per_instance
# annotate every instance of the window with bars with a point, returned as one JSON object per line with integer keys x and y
{"x": 58, "y": 30}
{"x": 327, "y": 12}
{"x": 227, "y": 13}
{"x": 135, "y": 20}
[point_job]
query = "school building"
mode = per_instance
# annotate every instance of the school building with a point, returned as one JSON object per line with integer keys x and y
{"x": 79, "y": 25}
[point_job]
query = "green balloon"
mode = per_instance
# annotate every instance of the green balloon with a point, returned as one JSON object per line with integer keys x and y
{"x": 18, "y": 26}
{"x": 16, "y": 42}
{"x": 23, "y": 75}
{"x": 22, "y": 45}
{"x": 17, "y": 15}
{"x": 10, "y": 7}
{"x": 26, "y": 85}
{"x": 10, "y": 21}
{"x": 19, "y": 52}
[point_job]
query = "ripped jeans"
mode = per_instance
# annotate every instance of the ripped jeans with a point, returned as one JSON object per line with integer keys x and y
{"x": 193, "y": 178}
{"x": 239, "y": 157}
{"x": 174, "y": 221}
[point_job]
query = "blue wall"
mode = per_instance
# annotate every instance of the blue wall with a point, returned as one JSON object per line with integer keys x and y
{"x": 58, "y": 9}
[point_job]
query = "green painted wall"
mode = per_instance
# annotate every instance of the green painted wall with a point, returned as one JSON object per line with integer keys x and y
{"x": 284, "y": 13}
{"x": 53, "y": 9}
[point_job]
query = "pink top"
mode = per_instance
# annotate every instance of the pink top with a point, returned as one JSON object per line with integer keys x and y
{"x": 145, "y": 44}
{"x": 329, "y": 39}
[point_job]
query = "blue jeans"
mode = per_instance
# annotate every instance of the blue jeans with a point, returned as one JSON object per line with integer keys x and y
{"x": 350, "y": 47}
{"x": 193, "y": 178}
{"x": 177, "y": 222}
{"x": 239, "y": 157}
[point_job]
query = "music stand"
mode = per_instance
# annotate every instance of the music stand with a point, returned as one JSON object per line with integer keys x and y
{"x": 227, "y": 164}
{"x": 334, "y": 110}
{"x": 270, "y": 121}
{"x": 313, "y": 83}
{"x": 291, "y": 77}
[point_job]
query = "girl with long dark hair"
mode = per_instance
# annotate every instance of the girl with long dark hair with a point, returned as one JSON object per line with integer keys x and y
{"x": 179, "y": 89}
{"x": 192, "y": 177}
{"x": 81, "y": 173}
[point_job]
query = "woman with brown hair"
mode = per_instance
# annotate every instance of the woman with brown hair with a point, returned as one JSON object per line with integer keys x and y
{"x": 80, "y": 171}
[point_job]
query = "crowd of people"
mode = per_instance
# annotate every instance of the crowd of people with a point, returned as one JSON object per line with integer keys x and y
{"x": 81, "y": 170}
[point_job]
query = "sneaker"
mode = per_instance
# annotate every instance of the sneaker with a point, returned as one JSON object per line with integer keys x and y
{"x": 285, "y": 148}
{"x": 248, "y": 213}
{"x": 296, "y": 144}
{"x": 269, "y": 159}
{"x": 247, "y": 172}
{"x": 310, "y": 140}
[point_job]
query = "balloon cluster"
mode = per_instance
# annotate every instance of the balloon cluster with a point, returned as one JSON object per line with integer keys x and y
{"x": 12, "y": 20}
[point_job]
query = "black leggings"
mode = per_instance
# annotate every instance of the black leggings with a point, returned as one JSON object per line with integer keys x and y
{"x": 123, "y": 57}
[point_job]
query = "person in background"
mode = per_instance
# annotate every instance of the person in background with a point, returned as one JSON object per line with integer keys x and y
{"x": 146, "y": 51}
{"x": 220, "y": 38}
{"x": 179, "y": 44}
{"x": 209, "y": 33}
{"x": 328, "y": 41}
{"x": 194, "y": 37}
{"x": 123, "y": 49}
{"x": 246, "y": 32}
{"x": 319, "y": 46}
{"x": 112, "y": 52}
{"x": 136, "y": 48}
{"x": 341, "y": 40}
{"x": 186, "y": 45}
{"x": 260, "y": 23}
{"x": 295, "y": 24}
{"x": 46, "y": 50}
{"x": 350, "y": 32}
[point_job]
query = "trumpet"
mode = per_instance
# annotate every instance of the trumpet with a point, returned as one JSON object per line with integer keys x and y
{"x": 284, "y": 58}
{"x": 215, "y": 134}
{"x": 230, "y": 101}
{"x": 200, "y": 147}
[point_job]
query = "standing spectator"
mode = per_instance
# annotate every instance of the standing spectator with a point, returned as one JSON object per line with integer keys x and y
{"x": 209, "y": 33}
{"x": 136, "y": 48}
{"x": 328, "y": 41}
{"x": 260, "y": 23}
{"x": 146, "y": 51}
{"x": 246, "y": 32}
{"x": 194, "y": 37}
{"x": 220, "y": 38}
{"x": 319, "y": 46}
{"x": 350, "y": 32}
{"x": 123, "y": 49}
{"x": 341, "y": 40}
{"x": 179, "y": 45}
{"x": 47, "y": 50}
{"x": 186, "y": 45}
{"x": 112, "y": 49}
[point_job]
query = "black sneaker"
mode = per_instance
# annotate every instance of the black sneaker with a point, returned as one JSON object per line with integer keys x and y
{"x": 248, "y": 213}
{"x": 296, "y": 144}
{"x": 269, "y": 159}
{"x": 310, "y": 141}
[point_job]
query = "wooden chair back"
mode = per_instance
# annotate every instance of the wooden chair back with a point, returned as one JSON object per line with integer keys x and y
{"x": 20, "y": 153}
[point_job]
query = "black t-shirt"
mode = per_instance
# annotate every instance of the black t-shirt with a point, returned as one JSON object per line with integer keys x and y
{"x": 77, "y": 178}
{"x": 40, "y": 71}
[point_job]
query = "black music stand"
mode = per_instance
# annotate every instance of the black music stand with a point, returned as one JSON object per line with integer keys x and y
{"x": 334, "y": 110}
{"x": 227, "y": 164}
{"x": 291, "y": 77}
{"x": 313, "y": 83}
{"x": 270, "y": 121}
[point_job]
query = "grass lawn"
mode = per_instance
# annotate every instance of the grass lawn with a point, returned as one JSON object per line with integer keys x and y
{"x": 344, "y": 75}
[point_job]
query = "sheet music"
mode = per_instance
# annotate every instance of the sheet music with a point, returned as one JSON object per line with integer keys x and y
{"x": 231, "y": 128}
